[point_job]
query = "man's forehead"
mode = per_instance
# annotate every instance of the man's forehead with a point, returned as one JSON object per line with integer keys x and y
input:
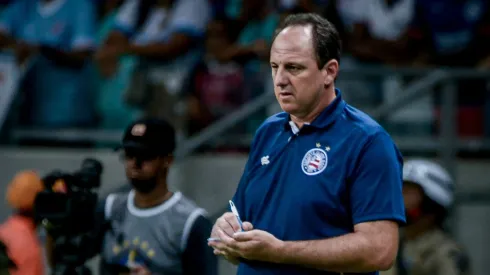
{"x": 300, "y": 30}
{"x": 296, "y": 40}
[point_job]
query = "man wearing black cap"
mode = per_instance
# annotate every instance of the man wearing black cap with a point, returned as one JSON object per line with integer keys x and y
{"x": 148, "y": 145}
{"x": 152, "y": 230}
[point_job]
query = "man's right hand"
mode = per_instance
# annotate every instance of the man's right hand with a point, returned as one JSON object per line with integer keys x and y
{"x": 228, "y": 223}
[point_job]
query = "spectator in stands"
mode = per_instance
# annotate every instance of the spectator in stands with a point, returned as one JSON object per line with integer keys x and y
{"x": 57, "y": 37}
{"x": 451, "y": 33}
{"x": 165, "y": 36}
{"x": 18, "y": 233}
{"x": 379, "y": 34}
{"x": 216, "y": 85}
{"x": 254, "y": 40}
{"x": 252, "y": 49}
{"x": 455, "y": 33}
{"x": 375, "y": 32}
{"x": 296, "y": 6}
{"x": 326, "y": 8}
{"x": 113, "y": 78}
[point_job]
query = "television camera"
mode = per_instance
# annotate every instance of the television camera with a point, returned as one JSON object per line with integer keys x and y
{"x": 67, "y": 210}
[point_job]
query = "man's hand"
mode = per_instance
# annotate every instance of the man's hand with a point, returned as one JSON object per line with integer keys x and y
{"x": 252, "y": 245}
{"x": 227, "y": 225}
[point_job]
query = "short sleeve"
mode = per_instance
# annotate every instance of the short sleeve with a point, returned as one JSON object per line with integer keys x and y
{"x": 376, "y": 182}
{"x": 11, "y": 17}
{"x": 126, "y": 17}
{"x": 239, "y": 197}
{"x": 84, "y": 25}
{"x": 191, "y": 17}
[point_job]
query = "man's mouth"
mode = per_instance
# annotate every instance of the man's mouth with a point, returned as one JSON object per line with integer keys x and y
{"x": 285, "y": 94}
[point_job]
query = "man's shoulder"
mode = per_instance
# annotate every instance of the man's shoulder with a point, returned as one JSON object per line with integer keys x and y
{"x": 188, "y": 206}
{"x": 362, "y": 124}
{"x": 276, "y": 119}
{"x": 362, "y": 121}
{"x": 273, "y": 123}
{"x": 270, "y": 125}
{"x": 121, "y": 193}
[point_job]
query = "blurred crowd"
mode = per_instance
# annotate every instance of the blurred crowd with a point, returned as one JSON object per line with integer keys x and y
{"x": 102, "y": 63}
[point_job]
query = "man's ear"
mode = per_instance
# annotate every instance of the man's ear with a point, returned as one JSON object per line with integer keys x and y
{"x": 330, "y": 71}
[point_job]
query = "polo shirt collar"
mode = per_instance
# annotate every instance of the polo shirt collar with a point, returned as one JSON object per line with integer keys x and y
{"x": 326, "y": 117}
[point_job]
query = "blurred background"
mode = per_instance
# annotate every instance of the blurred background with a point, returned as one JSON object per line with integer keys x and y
{"x": 70, "y": 85}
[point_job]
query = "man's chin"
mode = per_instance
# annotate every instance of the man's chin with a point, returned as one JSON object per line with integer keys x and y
{"x": 289, "y": 107}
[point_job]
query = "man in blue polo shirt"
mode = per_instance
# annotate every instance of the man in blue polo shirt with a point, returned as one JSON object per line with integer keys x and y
{"x": 322, "y": 189}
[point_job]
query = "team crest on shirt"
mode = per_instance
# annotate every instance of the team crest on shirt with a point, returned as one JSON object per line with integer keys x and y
{"x": 314, "y": 161}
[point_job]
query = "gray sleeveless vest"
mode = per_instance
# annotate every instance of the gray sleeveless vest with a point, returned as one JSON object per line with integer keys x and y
{"x": 155, "y": 237}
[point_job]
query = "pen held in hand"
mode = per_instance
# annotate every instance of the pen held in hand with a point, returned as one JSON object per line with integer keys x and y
{"x": 214, "y": 240}
{"x": 235, "y": 212}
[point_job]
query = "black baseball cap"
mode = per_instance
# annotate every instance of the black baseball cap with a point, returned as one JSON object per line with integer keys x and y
{"x": 149, "y": 135}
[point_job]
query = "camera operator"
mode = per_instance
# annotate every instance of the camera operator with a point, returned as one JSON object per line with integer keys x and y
{"x": 18, "y": 233}
{"x": 151, "y": 230}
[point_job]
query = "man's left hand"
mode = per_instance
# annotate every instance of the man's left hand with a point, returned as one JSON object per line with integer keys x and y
{"x": 251, "y": 245}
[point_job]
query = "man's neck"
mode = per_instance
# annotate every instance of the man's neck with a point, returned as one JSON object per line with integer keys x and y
{"x": 154, "y": 198}
{"x": 317, "y": 109}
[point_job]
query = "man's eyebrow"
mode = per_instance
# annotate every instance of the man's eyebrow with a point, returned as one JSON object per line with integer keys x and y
{"x": 289, "y": 62}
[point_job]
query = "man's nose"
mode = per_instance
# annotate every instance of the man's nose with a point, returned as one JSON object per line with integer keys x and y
{"x": 280, "y": 78}
{"x": 134, "y": 162}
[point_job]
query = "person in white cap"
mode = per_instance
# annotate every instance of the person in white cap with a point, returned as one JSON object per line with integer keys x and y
{"x": 425, "y": 248}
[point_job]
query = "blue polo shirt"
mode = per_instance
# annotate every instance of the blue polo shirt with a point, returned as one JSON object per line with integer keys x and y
{"x": 319, "y": 181}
